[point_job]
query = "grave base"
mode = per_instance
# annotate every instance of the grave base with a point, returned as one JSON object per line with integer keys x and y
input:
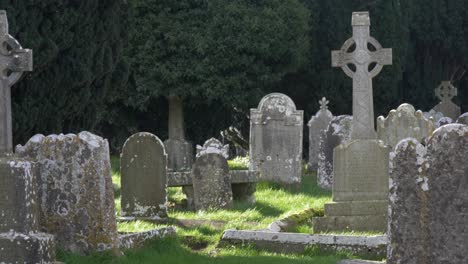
{"x": 26, "y": 248}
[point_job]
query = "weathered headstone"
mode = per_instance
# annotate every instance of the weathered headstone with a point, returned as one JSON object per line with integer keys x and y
{"x": 76, "y": 194}
{"x": 463, "y": 119}
{"x": 338, "y": 132}
{"x": 143, "y": 166}
{"x": 213, "y": 145}
{"x": 445, "y": 92}
{"x": 360, "y": 184}
{"x": 20, "y": 241}
{"x": 428, "y": 199}
{"x": 276, "y": 129}
{"x": 317, "y": 125}
{"x": 443, "y": 121}
{"x": 404, "y": 122}
{"x": 433, "y": 115}
{"x": 211, "y": 180}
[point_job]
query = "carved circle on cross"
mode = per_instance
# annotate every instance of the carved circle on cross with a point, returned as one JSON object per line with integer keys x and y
{"x": 8, "y": 49}
{"x": 446, "y": 91}
{"x": 361, "y": 57}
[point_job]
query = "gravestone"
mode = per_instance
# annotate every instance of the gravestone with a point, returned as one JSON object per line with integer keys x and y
{"x": 276, "y": 129}
{"x": 433, "y": 115}
{"x": 20, "y": 239}
{"x": 213, "y": 145}
{"x": 317, "y": 125}
{"x": 211, "y": 179}
{"x": 463, "y": 119}
{"x": 360, "y": 184}
{"x": 443, "y": 121}
{"x": 143, "y": 166}
{"x": 404, "y": 122}
{"x": 338, "y": 132}
{"x": 76, "y": 194}
{"x": 428, "y": 199}
{"x": 445, "y": 92}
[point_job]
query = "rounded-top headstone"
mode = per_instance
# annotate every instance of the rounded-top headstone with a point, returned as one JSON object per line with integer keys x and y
{"x": 277, "y": 105}
{"x": 143, "y": 165}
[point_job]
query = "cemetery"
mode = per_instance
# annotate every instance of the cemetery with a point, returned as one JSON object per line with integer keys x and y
{"x": 173, "y": 132}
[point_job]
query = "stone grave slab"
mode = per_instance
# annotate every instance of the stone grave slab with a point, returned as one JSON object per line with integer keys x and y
{"x": 317, "y": 124}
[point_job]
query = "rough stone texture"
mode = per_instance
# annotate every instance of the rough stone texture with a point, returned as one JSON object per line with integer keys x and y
{"x": 372, "y": 246}
{"x": 20, "y": 241}
{"x": 143, "y": 166}
{"x": 76, "y": 195}
{"x": 463, "y": 119}
{"x": 136, "y": 240}
{"x": 445, "y": 92}
{"x": 276, "y": 129}
{"x": 317, "y": 125}
{"x": 404, "y": 122}
{"x": 337, "y": 132}
{"x": 211, "y": 182}
{"x": 443, "y": 121}
{"x": 428, "y": 199}
{"x": 433, "y": 115}
{"x": 213, "y": 145}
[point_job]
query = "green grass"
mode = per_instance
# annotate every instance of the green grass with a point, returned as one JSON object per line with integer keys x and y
{"x": 239, "y": 163}
{"x": 198, "y": 245}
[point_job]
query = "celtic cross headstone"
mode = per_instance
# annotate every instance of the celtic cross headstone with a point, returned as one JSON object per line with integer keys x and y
{"x": 446, "y": 92}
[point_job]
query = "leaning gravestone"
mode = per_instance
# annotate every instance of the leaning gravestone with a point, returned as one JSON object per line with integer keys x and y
{"x": 338, "y": 132}
{"x": 143, "y": 165}
{"x": 20, "y": 241}
{"x": 276, "y": 129}
{"x": 428, "y": 199}
{"x": 76, "y": 194}
{"x": 360, "y": 184}
{"x": 463, "y": 119}
{"x": 317, "y": 125}
{"x": 211, "y": 178}
{"x": 445, "y": 92}
{"x": 404, "y": 122}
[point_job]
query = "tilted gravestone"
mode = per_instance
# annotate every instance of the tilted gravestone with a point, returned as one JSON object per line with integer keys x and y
{"x": 276, "y": 129}
{"x": 338, "y": 132}
{"x": 20, "y": 239}
{"x": 360, "y": 184}
{"x": 211, "y": 178}
{"x": 428, "y": 199}
{"x": 76, "y": 194}
{"x": 463, "y": 119}
{"x": 143, "y": 166}
{"x": 317, "y": 125}
{"x": 404, "y": 122}
{"x": 445, "y": 92}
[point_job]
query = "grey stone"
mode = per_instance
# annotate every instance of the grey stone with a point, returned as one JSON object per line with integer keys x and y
{"x": 463, "y": 119}
{"x": 404, "y": 122}
{"x": 338, "y": 132}
{"x": 143, "y": 166}
{"x": 136, "y": 240}
{"x": 211, "y": 182}
{"x": 433, "y": 115}
{"x": 213, "y": 145}
{"x": 317, "y": 125}
{"x": 76, "y": 195}
{"x": 445, "y": 92}
{"x": 276, "y": 129}
{"x": 443, "y": 121}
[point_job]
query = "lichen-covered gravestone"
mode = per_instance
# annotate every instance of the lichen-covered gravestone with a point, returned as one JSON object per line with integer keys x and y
{"x": 445, "y": 92}
{"x": 317, "y": 124}
{"x": 143, "y": 166}
{"x": 20, "y": 241}
{"x": 443, "y": 121}
{"x": 338, "y": 132}
{"x": 76, "y": 194}
{"x": 211, "y": 178}
{"x": 404, "y": 122}
{"x": 276, "y": 129}
{"x": 463, "y": 119}
{"x": 428, "y": 199}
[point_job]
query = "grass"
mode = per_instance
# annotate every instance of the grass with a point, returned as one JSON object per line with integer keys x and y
{"x": 198, "y": 245}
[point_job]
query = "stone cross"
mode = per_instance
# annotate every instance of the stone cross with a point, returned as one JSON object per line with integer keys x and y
{"x": 362, "y": 58}
{"x": 324, "y": 103}
{"x": 14, "y": 60}
{"x": 446, "y": 91}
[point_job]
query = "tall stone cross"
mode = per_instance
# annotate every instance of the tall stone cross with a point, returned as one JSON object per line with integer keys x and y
{"x": 446, "y": 91}
{"x": 362, "y": 58}
{"x": 14, "y": 60}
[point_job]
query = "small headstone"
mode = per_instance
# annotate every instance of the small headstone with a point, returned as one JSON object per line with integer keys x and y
{"x": 317, "y": 125}
{"x": 404, "y": 122}
{"x": 433, "y": 115}
{"x": 276, "y": 129}
{"x": 211, "y": 181}
{"x": 213, "y": 145}
{"x": 338, "y": 132}
{"x": 143, "y": 166}
{"x": 445, "y": 92}
{"x": 76, "y": 194}
{"x": 443, "y": 121}
{"x": 463, "y": 119}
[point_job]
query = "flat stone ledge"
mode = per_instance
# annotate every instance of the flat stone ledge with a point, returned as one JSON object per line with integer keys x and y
{"x": 134, "y": 240}
{"x": 369, "y": 246}
{"x": 183, "y": 178}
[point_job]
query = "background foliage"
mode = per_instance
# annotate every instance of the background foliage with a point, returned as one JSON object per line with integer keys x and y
{"x": 107, "y": 66}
